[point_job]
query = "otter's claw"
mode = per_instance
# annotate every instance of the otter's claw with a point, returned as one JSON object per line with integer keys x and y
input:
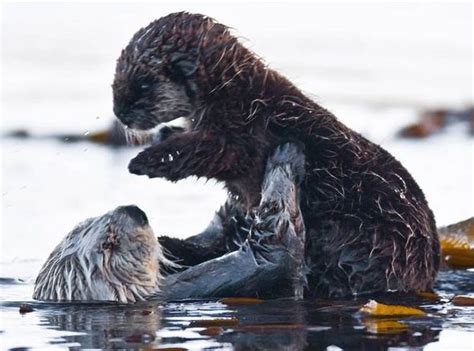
{"x": 169, "y": 159}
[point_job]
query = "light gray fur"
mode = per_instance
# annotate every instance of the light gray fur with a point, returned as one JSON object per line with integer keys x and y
{"x": 107, "y": 258}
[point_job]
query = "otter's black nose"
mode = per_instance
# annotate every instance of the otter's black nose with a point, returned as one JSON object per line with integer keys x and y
{"x": 136, "y": 214}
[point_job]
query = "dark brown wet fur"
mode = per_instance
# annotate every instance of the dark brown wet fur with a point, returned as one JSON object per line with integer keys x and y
{"x": 368, "y": 225}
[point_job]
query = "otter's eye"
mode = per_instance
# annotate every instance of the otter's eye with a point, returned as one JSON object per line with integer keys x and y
{"x": 145, "y": 87}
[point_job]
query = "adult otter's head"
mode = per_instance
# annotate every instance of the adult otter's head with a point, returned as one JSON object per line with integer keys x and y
{"x": 173, "y": 65}
{"x": 114, "y": 257}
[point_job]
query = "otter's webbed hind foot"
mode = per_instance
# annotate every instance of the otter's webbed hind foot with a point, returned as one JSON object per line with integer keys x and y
{"x": 278, "y": 222}
{"x": 270, "y": 263}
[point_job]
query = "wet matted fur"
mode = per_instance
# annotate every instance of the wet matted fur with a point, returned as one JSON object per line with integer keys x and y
{"x": 114, "y": 257}
{"x": 368, "y": 225}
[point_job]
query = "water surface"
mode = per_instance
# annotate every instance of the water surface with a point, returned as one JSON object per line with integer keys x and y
{"x": 272, "y": 325}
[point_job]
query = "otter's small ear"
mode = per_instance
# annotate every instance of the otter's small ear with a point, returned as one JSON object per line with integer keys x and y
{"x": 182, "y": 65}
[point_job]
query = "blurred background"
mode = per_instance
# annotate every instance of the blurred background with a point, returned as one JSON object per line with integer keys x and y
{"x": 376, "y": 66}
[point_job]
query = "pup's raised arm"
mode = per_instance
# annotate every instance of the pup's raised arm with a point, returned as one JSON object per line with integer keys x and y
{"x": 196, "y": 153}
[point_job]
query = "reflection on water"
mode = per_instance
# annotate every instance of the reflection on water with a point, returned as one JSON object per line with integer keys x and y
{"x": 272, "y": 325}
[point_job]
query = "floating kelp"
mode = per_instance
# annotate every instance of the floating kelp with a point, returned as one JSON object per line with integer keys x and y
{"x": 234, "y": 301}
{"x": 463, "y": 300}
{"x": 434, "y": 121}
{"x": 426, "y": 295}
{"x": 220, "y": 322}
{"x": 457, "y": 244}
{"x": 373, "y": 308}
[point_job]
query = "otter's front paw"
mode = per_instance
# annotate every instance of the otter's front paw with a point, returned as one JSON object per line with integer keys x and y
{"x": 289, "y": 155}
{"x": 155, "y": 162}
{"x": 138, "y": 165}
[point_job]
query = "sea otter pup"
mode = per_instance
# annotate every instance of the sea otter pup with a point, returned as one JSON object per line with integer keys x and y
{"x": 368, "y": 225}
{"x": 114, "y": 257}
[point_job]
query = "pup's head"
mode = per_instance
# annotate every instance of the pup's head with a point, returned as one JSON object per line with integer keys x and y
{"x": 170, "y": 66}
{"x": 114, "y": 257}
